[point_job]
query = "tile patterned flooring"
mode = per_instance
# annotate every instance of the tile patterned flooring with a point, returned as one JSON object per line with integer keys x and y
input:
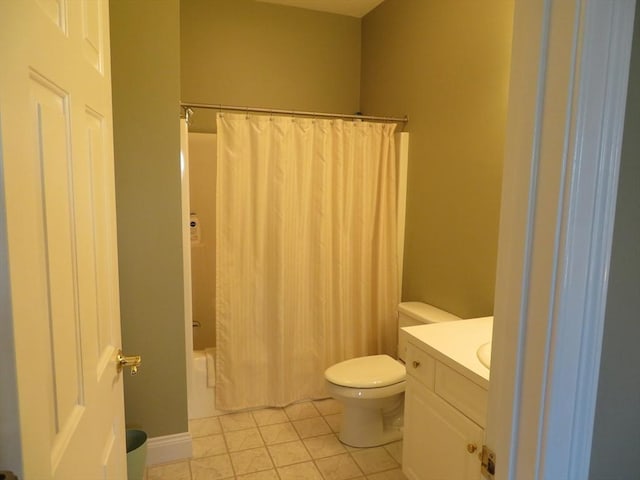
{"x": 298, "y": 442}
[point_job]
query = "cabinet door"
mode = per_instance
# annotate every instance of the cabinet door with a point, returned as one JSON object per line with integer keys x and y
{"x": 436, "y": 438}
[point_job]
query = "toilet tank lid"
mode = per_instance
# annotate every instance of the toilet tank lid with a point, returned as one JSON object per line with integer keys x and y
{"x": 425, "y": 313}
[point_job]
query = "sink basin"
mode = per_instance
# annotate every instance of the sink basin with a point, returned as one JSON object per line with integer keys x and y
{"x": 484, "y": 354}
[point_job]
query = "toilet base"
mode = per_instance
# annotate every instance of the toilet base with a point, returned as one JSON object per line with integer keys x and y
{"x": 371, "y": 423}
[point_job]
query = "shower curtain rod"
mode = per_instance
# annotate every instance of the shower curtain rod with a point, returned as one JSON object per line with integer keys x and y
{"x": 206, "y": 106}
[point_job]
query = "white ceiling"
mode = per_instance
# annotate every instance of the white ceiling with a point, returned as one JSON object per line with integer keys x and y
{"x": 352, "y": 8}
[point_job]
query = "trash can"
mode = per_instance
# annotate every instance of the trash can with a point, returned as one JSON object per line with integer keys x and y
{"x": 136, "y": 454}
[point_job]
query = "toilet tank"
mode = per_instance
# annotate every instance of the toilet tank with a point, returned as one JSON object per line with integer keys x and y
{"x": 418, "y": 313}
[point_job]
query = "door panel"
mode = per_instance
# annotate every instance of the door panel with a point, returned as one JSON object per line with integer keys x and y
{"x": 51, "y": 119}
{"x": 92, "y": 35}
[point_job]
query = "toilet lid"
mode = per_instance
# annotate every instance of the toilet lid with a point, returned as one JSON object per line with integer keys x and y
{"x": 366, "y": 372}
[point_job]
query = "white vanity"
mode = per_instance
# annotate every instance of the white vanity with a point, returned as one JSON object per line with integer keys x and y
{"x": 446, "y": 399}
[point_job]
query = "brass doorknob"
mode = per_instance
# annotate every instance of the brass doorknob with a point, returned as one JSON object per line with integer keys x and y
{"x": 132, "y": 361}
{"x": 471, "y": 447}
{"x": 416, "y": 364}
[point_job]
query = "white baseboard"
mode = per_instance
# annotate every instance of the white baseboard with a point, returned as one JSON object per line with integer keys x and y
{"x": 169, "y": 448}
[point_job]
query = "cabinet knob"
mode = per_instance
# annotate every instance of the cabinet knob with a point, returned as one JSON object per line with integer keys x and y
{"x": 415, "y": 364}
{"x": 472, "y": 447}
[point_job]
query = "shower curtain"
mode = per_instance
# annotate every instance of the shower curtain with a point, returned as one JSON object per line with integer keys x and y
{"x": 306, "y": 253}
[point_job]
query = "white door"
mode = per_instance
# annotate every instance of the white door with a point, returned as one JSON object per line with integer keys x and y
{"x": 57, "y": 165}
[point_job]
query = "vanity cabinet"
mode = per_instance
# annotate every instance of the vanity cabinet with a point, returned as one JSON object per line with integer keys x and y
{"x": 444, "y": 421}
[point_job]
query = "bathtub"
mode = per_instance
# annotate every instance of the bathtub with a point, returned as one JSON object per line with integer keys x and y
{"x": 202, "y": 395}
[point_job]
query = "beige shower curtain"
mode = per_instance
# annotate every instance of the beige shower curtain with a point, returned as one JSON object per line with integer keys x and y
{"x": 306, "y": 265}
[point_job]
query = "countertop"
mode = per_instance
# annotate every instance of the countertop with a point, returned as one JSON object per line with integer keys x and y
{"x": 455, "y": 344}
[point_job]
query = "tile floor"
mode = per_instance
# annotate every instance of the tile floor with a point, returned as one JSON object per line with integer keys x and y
{"x": 298, "y": 442}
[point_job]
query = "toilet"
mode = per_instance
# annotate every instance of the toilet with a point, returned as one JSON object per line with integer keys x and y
{"x": 371, "y": 389}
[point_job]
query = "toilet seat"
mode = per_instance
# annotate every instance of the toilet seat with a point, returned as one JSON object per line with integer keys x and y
{"x": 374, "y": 371}
{"x": 345, "y": 394}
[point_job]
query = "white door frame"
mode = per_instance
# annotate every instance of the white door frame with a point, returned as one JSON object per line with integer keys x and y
{"x": 186, "y": 253}
{"x": 570, "y": 64}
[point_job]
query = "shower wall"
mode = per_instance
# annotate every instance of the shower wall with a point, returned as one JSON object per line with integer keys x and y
{"x": 202, "y": 178}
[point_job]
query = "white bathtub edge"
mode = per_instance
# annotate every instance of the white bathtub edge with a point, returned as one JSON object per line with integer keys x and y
{"x": 201, "y": 402}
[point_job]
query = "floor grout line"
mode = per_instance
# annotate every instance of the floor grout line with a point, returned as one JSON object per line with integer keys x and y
{"x": 300, "y": 440}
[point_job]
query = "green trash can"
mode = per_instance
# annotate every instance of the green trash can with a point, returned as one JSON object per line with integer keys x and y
{"x": 136, "y": 454}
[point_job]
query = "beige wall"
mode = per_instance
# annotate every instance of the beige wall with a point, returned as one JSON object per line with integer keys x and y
{"x": 146, "y": 93}
{"x": 445, "y": 64}
{"x": 616, "y": 435}
{"x": 242, "y": 52}
{"x": 202, "y": 178}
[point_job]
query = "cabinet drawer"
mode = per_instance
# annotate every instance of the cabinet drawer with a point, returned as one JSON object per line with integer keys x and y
{"x": 420, "y": 366}
{"x": 462, "y": 393}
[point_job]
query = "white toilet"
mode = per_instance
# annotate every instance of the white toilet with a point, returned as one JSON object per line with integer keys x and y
{"x": 371, "y": 389}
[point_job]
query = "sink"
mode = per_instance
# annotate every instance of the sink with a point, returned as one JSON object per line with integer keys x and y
{"x": 484, "y": 354}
